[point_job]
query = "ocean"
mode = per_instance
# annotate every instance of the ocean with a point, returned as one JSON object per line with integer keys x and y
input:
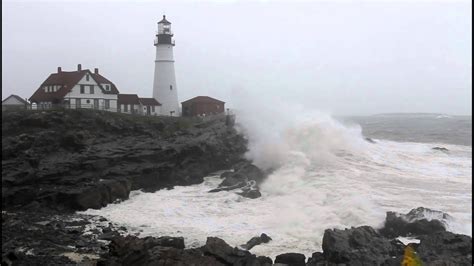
{"x": 325, "y": 175}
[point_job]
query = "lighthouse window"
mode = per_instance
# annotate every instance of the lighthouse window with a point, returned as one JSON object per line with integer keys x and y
{"x": 171, "y": 87}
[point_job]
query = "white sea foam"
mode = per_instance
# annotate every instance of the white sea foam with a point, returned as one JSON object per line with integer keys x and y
{"x": 327, "y": 176}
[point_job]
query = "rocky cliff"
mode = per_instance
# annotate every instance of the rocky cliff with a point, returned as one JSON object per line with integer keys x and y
{"x": 80, "y": 159}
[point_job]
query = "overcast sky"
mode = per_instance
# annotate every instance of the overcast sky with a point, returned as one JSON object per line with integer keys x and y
{"x": 346, "y": 58}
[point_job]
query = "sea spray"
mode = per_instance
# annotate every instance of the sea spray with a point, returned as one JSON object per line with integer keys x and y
{"x": 325, "y": 176}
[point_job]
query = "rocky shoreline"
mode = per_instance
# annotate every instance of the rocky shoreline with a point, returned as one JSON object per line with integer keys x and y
{"x": 60, "y": 161}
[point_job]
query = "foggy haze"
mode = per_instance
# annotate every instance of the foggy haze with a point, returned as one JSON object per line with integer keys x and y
{"x": 345, "y": 58}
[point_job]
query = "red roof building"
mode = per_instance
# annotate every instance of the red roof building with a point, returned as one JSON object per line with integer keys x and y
{"x": 77, "y": 89}
{"x": 150, "y": 106}
{"x": 202, "y": 106}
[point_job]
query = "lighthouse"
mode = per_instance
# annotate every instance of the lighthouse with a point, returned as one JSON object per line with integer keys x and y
{"x": 164, "y": 82}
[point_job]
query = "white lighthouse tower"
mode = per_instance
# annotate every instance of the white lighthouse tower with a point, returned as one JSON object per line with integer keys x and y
{"x": 164, "y": 83}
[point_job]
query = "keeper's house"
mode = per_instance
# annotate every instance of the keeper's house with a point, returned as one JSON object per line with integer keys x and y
{"x": 76, "y": 89}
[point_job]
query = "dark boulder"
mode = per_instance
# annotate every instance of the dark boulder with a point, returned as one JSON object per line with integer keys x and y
{"x": 226, "y": 174}
{"x": 251, "y": 172}
{"x": 317, "y": 259}
{"x": 358, "y": 246}
{"x": 234, "y": 180}
{"x": 224, "y": 253}
{"x": 414, "y": 223}
{"x": 256, "y": 240}
{"x": 370, "y": 140}
{"x": 445, "y": 248}
{"x": 132, "y": 250}
{"x": 443, "y": 149}
{"x": 291, "y": 259}
{"x": 250, "y": 193}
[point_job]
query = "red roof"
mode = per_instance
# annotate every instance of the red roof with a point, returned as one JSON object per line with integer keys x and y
{"x": 128, "y": 99}
{"x": 101, "y": 79}
{"x": 203, "y": 99}
{"x": 16, "y": 97}
{"x": 67, "y": 80}
{"x": 149, "y": 101}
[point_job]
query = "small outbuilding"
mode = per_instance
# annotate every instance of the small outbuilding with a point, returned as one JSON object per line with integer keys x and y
{"x": 150, "y": 106}
{"x": 14, "y": 102}
{"x": 128, "y": 103}
{"x": 202, "y": 106}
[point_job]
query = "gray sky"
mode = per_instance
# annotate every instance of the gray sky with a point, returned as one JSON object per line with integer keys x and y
{"x": 346, "y": 58}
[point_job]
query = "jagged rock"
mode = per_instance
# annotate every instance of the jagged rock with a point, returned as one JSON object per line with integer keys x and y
{"x": 370, "y": 140}
{"x": 66, "y": 167}
{"x": 317, "y": 259}
{"x": 132, "y": 250}
{"x": 291, "y": 259}
{"x": 251, "y": 193}
{"x": 224, "y": 253}
{"x": 245, "y": 176}
{"x": 256, "y": 240}
{"x": 358, "y": 246}
{"x": 414, "y": 223}
{"x": 445, "y": 248}
{"x": 443, "y": 149}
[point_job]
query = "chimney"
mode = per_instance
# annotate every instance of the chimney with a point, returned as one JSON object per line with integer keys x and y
{"x": 79, "y": 67}
{"x": 59, "y": 70}
{"x": 96, "y": 71}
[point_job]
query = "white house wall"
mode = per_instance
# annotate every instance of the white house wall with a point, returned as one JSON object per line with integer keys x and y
{"x": 136, "y": 107}
{"x": 156, "y": 112}
{"x": 87, "y": 99}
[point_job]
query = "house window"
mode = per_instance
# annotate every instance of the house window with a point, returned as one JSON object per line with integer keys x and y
{"x": 91, "y": 89}
{"x": 125, "y": 107}
{"x": 153, "y": 108}
{"x": 107, "y": 104}
{"x": 171, "y": 87}
{"x": 107, "y": 87}
{"x": 88, "y": 101}
{"x": 82, "y": 89}
{"x": 87, "y": 77}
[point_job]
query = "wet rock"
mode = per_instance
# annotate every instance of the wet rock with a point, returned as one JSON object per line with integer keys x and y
{"x": 224, "y": 253}
{"x": 414, "y": 223}
{"x": 251, "y": 193}
{"x": 445, "y": 248}
{"x": 66, "y": 167}
{"x": 357, "y": 246}
{"x": 370, "y": 140}
{"x": 257, "y": 240}
{"x": 441, "y": 149}
{"x": 317, "y": 259}
{"x": 291, "y": 259}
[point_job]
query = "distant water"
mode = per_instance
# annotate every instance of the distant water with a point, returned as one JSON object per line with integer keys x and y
{"x": 423, "y": 128}
{"x": 327, "y": 176}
